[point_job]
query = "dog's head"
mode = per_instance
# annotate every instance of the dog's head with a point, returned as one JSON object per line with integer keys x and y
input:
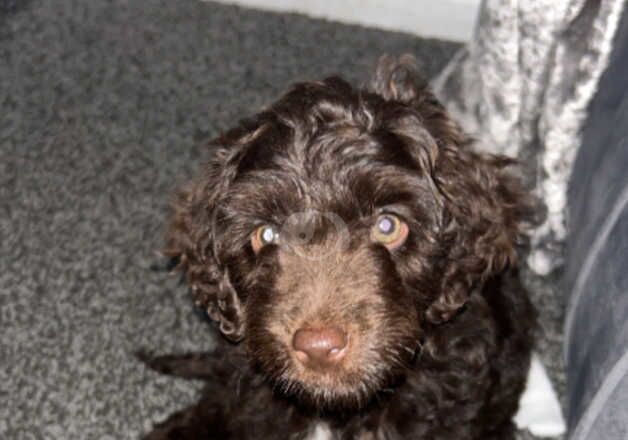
{"x": 332, "y": 229}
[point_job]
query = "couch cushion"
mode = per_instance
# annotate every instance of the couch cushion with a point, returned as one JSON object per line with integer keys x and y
{"x": 596, "y": 277}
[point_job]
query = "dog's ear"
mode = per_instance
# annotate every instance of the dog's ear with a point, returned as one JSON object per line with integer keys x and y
{"x": 483, "y": 218}
{"x": 190, "y": 240}
{"x": 483, "y": 206}
{"x": 396, "y": 79}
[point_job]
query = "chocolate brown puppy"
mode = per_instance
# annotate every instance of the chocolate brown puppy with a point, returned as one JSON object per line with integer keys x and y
{"x": 360, "y": 260}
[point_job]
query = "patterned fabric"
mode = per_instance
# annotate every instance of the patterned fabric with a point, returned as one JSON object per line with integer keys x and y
{"x": 522, "y": 87}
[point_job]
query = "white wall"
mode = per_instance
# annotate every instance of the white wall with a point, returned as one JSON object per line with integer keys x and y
{"x": 446, "y": 19}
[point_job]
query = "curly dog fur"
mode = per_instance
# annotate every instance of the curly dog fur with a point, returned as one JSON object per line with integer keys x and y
{"x": 427, "y": 339}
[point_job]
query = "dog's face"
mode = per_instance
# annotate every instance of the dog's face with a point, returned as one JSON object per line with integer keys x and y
{"x": 331, "y": 230}
{"x": 329, "y": 241}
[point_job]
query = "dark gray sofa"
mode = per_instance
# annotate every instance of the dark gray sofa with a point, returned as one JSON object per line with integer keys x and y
{"x": 596, "y": 276}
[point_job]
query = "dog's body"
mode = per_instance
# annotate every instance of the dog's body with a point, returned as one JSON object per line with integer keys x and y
{"x": 360, "y": 257}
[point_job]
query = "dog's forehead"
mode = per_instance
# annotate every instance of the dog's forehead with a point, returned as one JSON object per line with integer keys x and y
{"x": 329, "y": 149}
{"x": 301, "y": 157}
{"x": 337, "y": 158}
{"x": 351, "y": 190}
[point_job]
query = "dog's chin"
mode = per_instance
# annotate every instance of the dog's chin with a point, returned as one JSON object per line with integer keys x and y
{"x": 326, "y": 399}
{"x": 335, "y": 391}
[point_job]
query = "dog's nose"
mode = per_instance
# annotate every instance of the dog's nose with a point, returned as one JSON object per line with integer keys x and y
{"x": 322, "y": 347}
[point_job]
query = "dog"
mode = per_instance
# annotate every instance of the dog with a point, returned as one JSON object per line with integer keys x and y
{"x": 360, "y": 259}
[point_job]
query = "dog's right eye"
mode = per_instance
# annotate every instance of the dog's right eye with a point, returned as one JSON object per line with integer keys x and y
{"x": 262, "y": 236}
{"x": 390, "y": 231}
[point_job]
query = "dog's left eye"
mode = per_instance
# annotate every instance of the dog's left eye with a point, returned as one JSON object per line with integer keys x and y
{"x": 390, "y": 231}
{"x": 262, "y": 236}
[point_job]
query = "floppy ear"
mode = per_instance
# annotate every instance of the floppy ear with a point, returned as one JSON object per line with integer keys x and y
{"x": 483, "y": 220}
{"x": 484, "y": 207}
{"x": 190, "y": 240}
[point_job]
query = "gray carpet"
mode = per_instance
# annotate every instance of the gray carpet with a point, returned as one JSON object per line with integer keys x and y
{"x": 102, "y": 107}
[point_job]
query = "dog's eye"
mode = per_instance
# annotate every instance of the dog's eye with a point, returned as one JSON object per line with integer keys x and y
{"x": 390, "y": 231}
{"x": 262, "y": 236}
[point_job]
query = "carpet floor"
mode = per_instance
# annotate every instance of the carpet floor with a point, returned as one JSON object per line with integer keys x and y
{"x": 104, "y": 106}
